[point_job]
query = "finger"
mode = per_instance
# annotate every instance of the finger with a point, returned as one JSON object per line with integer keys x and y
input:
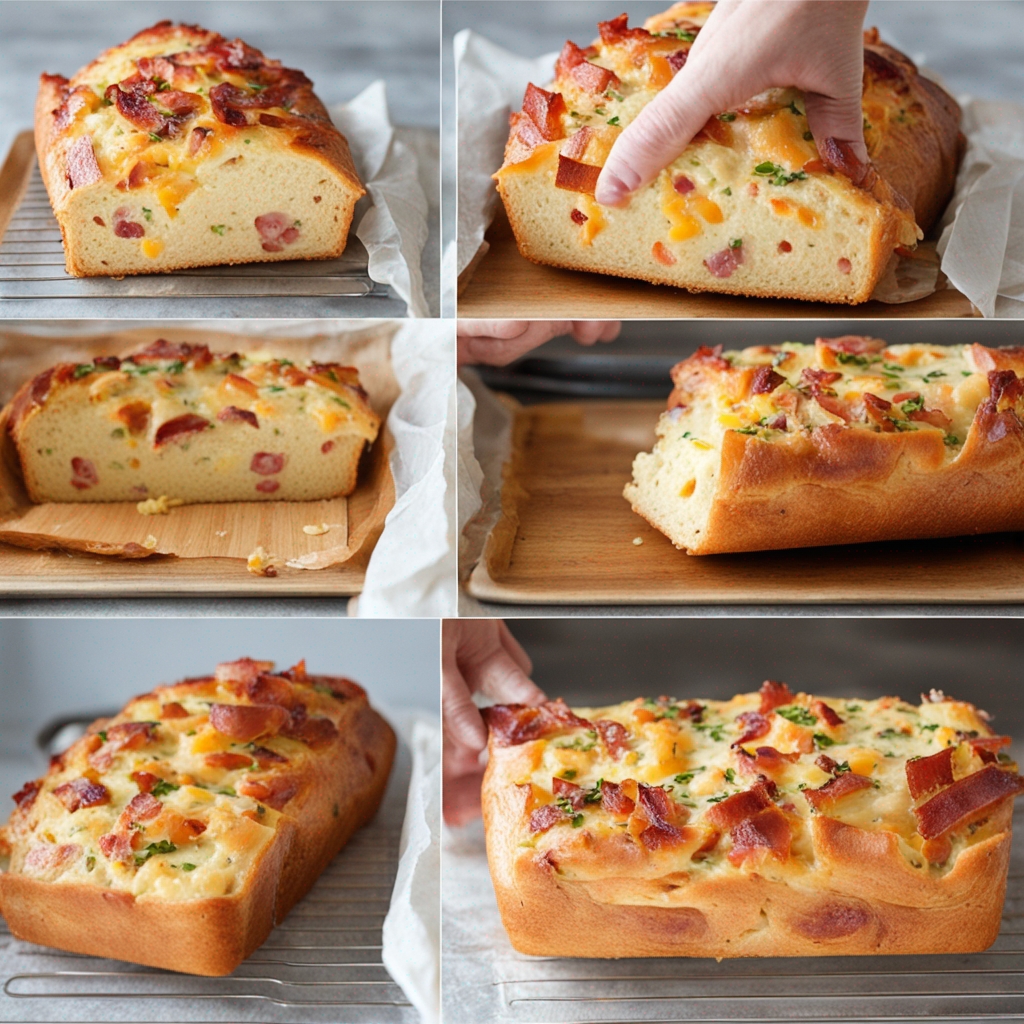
{"x": 514, "y": 648}
{"x": 660, "y": 132}
{"x": 611, "y": 330}
{"x": 841, "y": 119}
{"x": 506, "y": 329}
{"x": 461, "y": 802}
{"x": 463, "y": 725}
{"x": 587, "y": 332}
{"x": 498, "y": 351}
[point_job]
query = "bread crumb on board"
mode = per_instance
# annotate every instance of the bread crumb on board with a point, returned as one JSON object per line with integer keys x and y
{"x": 316, "y": 530}
{"x": 158, "y": 506}
{"x": 261, "y": 563}
{"x": 150, "y": 542}
{"x": 638, "y": 541}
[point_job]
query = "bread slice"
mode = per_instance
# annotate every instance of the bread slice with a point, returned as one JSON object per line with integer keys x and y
{"x": 176, "y": 420}
{"x": 772, "y": 824}
{"x": 844, "y": 441}
{"x": 754, "y": 205}
{"x": 179, "y": 832}
{"x": 181, "y": 148}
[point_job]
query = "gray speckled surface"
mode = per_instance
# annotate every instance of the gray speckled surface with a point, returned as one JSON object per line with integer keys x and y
{"x": 343, "y": 45}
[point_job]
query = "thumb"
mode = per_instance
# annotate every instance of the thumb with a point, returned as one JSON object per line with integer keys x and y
{"x": 463, "y": 722}
{"x": 838, "y": 123}
{"x": 660, "y": 132}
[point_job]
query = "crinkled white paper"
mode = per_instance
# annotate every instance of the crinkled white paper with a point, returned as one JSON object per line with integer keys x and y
{"x": 392, "y": 220}
{"x": 412, "y": 928}
{"x": 982, "y": 244}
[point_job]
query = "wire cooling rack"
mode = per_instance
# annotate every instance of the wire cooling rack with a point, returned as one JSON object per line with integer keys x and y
{"x": 968, "y": 987}
{"x": 322, "y": 964}
{"x": 32, "y": 267}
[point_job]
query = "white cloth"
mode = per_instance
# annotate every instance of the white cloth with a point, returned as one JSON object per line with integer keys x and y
{"x": 392, "y": 220}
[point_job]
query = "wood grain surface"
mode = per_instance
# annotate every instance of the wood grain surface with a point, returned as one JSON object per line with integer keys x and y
{"x": 502, "y": 283}
{"x": 567, "y": 536}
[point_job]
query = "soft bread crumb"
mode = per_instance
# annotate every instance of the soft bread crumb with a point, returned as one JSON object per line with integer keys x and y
{"x": 638, "y": 541}
{"x": 222, "y": 533}
{"x": 149, "y": 543}
{"x": 260, "y": 563}
{"x": 158, "y": 506}
{"x": 316, "y": 531}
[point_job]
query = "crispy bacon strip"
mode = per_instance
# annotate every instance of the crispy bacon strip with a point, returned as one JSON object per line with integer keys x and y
{"x": 546, "y": 817}
{"x": 228, "y": 760}
{"x": 124, "y": 736}
{"x": 145, "y": 781}
{"x": 512, "y": 724}
{"x": 614, "y": 800}
{"x": 987, "y": 747}
{"x": 766, "y": 760}
{"x": 162, "y": 350}
{"x": 852, "y": 344}
{"x": 660, "y": 813}
{"x": 232, "y": 412}
{"x": 566, "y": 790}
{"x": 765, "y": 381}
{"x": 246, "y": 722}
{"x": 26, "y": 796}
{"x": 48, "y": 857}
{"x": 575, "y": 176}
{"x": 927, "y": 773}
{"x": 966, "y": 799}
{"x": 774, "y": 695}
{"x": 835, "y": 789}
{"x": 825, "y": 714}
{"x": 754, "y": 725}
{"x": 265, "y": 757}
{"x": 811, "y": 376}
{"x": 616, "y": 30}
{"x": 179, "y": 427}
{"x": 766, "y": 833}
{"x": 546, "y": 110}
{"x": 82, "y": 793}
{"x": 728, "y": 813}
{"x": 314, "y": 731}
{"x": 274, "y": 791}
{"x": 173, "y": 710}
{"x": 614, "y": 736}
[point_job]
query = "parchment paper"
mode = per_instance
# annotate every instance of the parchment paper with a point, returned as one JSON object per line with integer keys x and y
{"x": 982, "y": 241}
{"x": 222, "y": 529}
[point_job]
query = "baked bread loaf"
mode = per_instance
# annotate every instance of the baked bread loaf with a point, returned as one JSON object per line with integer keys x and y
{"x": 178, "y": 833}
{"x": 181, "y": 148}
{"x": 176, "y": 420}
{"x": 843, "y": 441}
{"x": 754, "y": 205}
{"x": 773, "y": 824}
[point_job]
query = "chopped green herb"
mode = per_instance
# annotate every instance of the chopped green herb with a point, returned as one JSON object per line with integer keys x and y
{"x": 853, "y": 708}
{"x": 951, "y": 440}
{"x": 797, "y": 715}
{"x": 614, "y": 120}
{"x": 822, "y": 741}
{"x": 247, "y": 141}
{"x": 176, "y": 367}
{"x": 849, "y": 359}
{"x": 778, "y": 173}
{"x": 687, "y": 776}
{"x": 727, "y": 116}
{"x": 930, "y": 728}
{"x": 341, "y": 402}
{"x": 843, "y": 766}
{"x": 83, "y": 370}
{"x": 934, "y": 375}
{"x": 187, "y": 867}
{"x": 735, "y": 243}
{"x": 593, "y": 795}
{"x": 912, "y": 405}
{"x": 730, "y": 775}
{"x": 601, "y": 110}
{"x": 256, "y": 87}
{"x": 154, "y": 137}
{"x": 612, "y": 94}
{"x": 227, "y": 791}
{"x": 90, "y": 863}
{"x": 102, "y": 735}
{"x": 717, "y": 799}
{"x": 164, "y": 846}
{"x": 727, "y": 191}
{"x": 891, "y": 734}
{"x": 163, "y": 787}
{"x": 569, "y": 773}
{"x": 966, "y": 373}
{"x": 218, "y": 229}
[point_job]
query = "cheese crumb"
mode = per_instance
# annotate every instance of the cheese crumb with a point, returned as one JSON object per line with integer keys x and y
{"x": 260, "y": 563}
{"x": 222, "y": 533}
{"x": 638, "y": 541}
{"x": 316, "y": 531}
{"x": 149, "y": 543}
{"x": 158, "y": 506}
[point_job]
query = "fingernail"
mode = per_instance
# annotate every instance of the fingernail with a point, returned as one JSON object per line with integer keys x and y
{"x": 611, "y": 190}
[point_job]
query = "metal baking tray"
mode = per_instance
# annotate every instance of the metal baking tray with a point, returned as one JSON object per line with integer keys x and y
{"x": 321, "y": 964}
{"x": 32, "y": 263}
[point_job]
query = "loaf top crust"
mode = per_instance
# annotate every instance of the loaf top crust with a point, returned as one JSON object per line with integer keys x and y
{"x": 911, "y": 128}
{"x": 157, "y": 107}
{"x": 790, "y": 786}
{"x": 177, "y": 797}
{"x": 170, "y": 389}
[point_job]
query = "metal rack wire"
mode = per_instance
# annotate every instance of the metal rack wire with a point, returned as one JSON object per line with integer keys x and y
{"x": 322, "y": 964}
{"x": 985, "y": 986}
{"x": 32, "y": 267}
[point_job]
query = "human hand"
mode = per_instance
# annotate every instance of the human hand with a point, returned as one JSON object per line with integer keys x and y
{"x": 477, "y": 656}
{"x": 746, "y": 47}
{"x": 499, "y": 342}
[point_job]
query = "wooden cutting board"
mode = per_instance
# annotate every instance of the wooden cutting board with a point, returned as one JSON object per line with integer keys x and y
{"x": 567, "y": 536}
{"x": 501, "y": 283}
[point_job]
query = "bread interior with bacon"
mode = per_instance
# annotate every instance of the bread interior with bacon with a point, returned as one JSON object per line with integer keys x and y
{"x": 181, "y": 148}
{"x": 777, "y": 823}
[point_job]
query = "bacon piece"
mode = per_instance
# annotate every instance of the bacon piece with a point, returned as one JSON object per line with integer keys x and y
{"x": 987, "y": 747}
{"x": 81, "y": 166}
{"x": 512, "y": 724}
{"x": 545, "y": 109}
{"x": 965, "y": 800}
{"x": 162, "y": 350}
{"x": 26, "y": 796}
{"x": 314, "y": 732}
{"x": 593, "y": 79}
{"x": 765, "y": 833}
{"x": 124, "y": 736}
{"x": 276, "y": 230}
{"x": 1006, "y": 357}
{"x": 614, "y": 800}
{"x": 715, "y": 130}
{"x": 570, "y": 57}
{"x": 878, "y": 410}
{"x": 566, "y": 790}
{"x": 578, "y": 217}
{"x": 83, "y": 474}
{"x": 1005, "y": 388}
{"x": 196, "y": 139}
{"x": 265, "y": 757}
{"x": 167, "y": 70}
{"x": 145, "y": 781}
{"x": 173, "y": 710}
{"x": 765, "y": 760}
{"x": 141, "y": 807}
{"x": 728, "y": 813}
{"x": 232, "y": 412}
{"x": 810, "y": 376}
{"x": 838, "y": 155}
{"x": 765, "y": 381}
{"x": 268, "y": 689}
{"x": 77, "y": 99}
{"x": 826, "y": 764}
{"x": 935, "y": 417}
{"x": 724, "y": 263}
{"x": 677, "y": 60}
{"x": 158, "y": 113}
{"x": 45, "y": 857}
{"x": 577, "y": 144}
{"x": 754, "y": 726}
{"x": 574, "y": 176}
{"x": 777, "y": 422}
{"x": 115, "y": 846}
{"x": 774, "y": 695}
{"x": 243, "y": 670}
{"x": 274, "y": 791}
{"x": 267, "y": 463}
{"x": 825, "y": 714}
{"x": 835, "y": 789}
{"x": 545, "y": 817}
{"x": 246, "y": 722}
{"x": 618, "y": 29}
{"x": 660, "y": 813}
{"x": 179, "y": 428}
{"x": 927, "y": 773}
{"x": 82, "y": 793}
{"x": 614, "y": 736}
{"x": 683, "y": 185}
{"x": 226, "y": 759}
{"x": 525, "y": 130}
{"x": 852, "y": 344}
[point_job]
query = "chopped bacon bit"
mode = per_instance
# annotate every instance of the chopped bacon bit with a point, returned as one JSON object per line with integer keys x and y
{"x": 47, "y": 857}
{"x": 545, "y": 817}
{"x": 767, "y": 832}
{"x": 265, "y": 757}
{"x": 618, "y": 29}
{"x": 987, "y": 744}
{"x": 314, "y": 732}
{"x": 326, "y": 447}
{"x": 267, "y": 463}
{"x": 228, "y": 760}
{"x": 84, "y": 474}
{"x": 173, "y": 710}
{"x": 937, "y": 851}
{"x": 574, "y": 176}
{"x": 765, "y": 381}
{"x": 512, "y": 724}
{"x": 26, "y": 796}
{"x": 752, "y": 189}
{"x": 163, "y": 350}
{"x": 546, "y": 110}
{"x": 81, "y": 165}
{"x": 82, "y": 793}
{"x": 906, "y": 396}
{"x": 777, "y": 422}
{"x": 677, "y": 60}
{"x": 115, "y": 846}
{"x": 811, "y": 376}
{"x": 275, "y": 791}
{"x": 663, "y": 254}
{"x": 826, "y": 764}
{"x": 935, "y": 417}
{"x": 754, "y": 726}
{"x": 825, "y": 714}
{"x": 878, "y": 410}
{"x": 124, "y": 736}
{"x": 614, "y": 736}
{"x": 570, "y": 57}
{"x": 565, "y": 790}
{"x": 594, "y": 79}
{"x": 99, "y": 220}
{"x": 844, "y": 265}
{"x": 965, "y": 799}
{"x": 145, "y": 781}
{"x": 197, "y": 137}
{"x": 232, "y": 412}
{"x": 660, "y": 814}
{"x": 852, "y": 344}
{"x": 682, "y": 185}
{"x": 578, "y": 217}
{"x": 247, "y": 722}
{"x": 276, "y": 230}
{"x": 785, "y": 247}
{"x": 927, "y": 773}
{"x": 836, "y": 788}
{"x": 774, "y": 695}
{"x": 614, "y": 800}
{"x": 179, "y": 427}
{"x": 764, "y": 760}
{"x": 729, "y": 812}
{"x": 839, "y": 155}
{"x": 715, "y": 130}
{"x": 724, "y": 263}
